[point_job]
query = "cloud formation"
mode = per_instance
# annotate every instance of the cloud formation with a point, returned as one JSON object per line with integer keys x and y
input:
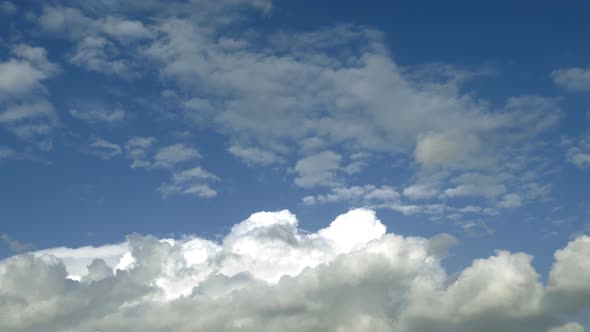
{"x": 267, "y": 275}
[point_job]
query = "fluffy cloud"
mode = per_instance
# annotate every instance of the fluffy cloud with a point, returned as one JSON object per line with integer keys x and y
{"x": 318, "y": 169}
{"x": 266, "y": 275}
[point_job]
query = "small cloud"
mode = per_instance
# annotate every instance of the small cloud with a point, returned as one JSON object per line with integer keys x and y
{"x": 254, "y": 156}
{"x": 511, "y": 200}
{"x": 573, "y": 79}
{"x": 96, "y": 112}
{"x": 175, "y": 154}
{"x": 137, "y": 148}
{"x": 318, "y": 170}
{"x": 420, "y": 191}
{"x": 15, "y": 245}
{"x": 104, "y": 149}
{"x": 192, "y": 181}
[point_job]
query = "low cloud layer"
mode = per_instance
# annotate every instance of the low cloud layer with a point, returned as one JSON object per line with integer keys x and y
{"x": 268, "y": 275}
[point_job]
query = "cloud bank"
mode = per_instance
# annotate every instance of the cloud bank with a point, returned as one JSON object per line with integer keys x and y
{"x": 268, "y": 275}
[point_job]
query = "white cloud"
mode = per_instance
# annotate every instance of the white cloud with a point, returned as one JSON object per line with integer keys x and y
{"x": 574, "y": 257}
{"x": 510, "y": 200}
{"x": 32, "y": 122}
{"x": 190, "y": 182}
{"x": 125, "y": 30}
{"x": 476, "y": 184}
{"x": 13, "y": 244}
{"x": 94, "y": 54}
{"x": 442, "y": 149}
{"x": 104, "y": 149}
{"x": 420, "y": 191}
{"x": 578, "y": 157}
{"x": 318, "y": 170}
{"x": 579, "y": 153}
{"x": 365, "y": 195}
{"x": 24, "y": 111}
{"x": 574, "y": 79}
{"x": 569, "y": 327}
{"x": 175, "y": 154}
{"x": 92, "y": 113}
{"x": 266, "y": 275}
{"x": 255, "y": 156}
{"x": 24, "y": 73}
{"x": 137, "y": 150}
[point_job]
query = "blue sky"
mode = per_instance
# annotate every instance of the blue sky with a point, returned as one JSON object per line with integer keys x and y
{"x": 181, "y": 120}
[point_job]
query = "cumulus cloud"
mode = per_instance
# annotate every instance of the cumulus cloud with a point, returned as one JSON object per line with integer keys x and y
{"x": 267, "y": 275}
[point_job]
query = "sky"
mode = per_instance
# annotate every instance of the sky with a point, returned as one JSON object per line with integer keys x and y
{"x": 263, "y": 165}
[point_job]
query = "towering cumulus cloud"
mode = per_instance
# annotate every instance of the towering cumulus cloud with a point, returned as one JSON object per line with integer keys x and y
{"x": 268, "y": 275}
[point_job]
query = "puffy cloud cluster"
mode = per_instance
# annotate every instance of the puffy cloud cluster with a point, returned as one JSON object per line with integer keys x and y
{"x": 319, "y": 105}
{"x": 268, "y": 275}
